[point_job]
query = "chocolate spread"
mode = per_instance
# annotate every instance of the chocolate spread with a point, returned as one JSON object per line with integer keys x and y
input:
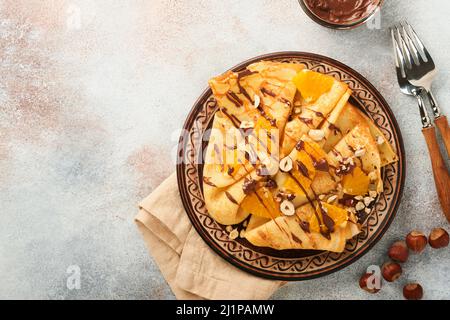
{"x": 342, "y": 11}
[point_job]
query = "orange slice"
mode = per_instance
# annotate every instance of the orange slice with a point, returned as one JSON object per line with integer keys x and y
{"x": 252, "y": 204}
{"x": 339, "y": 215}
{"x": 261, "y": 204}
{"x": 269, "y": 201}
{"x": 312, "y": 84}
{"x": 315, "y": 150}
{"x": 292, "y": 186}
{"x": 356, "y": 183}
{"x": 304, "y": 171}
{"x": 266, "y": 135}
{"x": 336, "y": 213}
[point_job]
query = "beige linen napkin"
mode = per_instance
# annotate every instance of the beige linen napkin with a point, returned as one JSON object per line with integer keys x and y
{"x": 191, "y": 268}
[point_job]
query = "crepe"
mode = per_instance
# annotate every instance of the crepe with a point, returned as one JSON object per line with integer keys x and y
{"x": 224, "y": 163}
{"x": 357, "y": 161}
{"x": 266, "y": 81}
{"x": 342, "y": 120}
{"x": 235, "y": 150}
{"x": 288, "y": 233}
{"x": 321, "y": 94}
{"x": 302, "y": 167}
{"x": 223, "y": 203}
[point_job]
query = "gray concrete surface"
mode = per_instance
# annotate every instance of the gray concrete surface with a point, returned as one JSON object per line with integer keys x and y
{"x": 90, "y": 95}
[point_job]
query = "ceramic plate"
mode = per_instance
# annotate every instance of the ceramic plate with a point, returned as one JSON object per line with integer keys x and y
{"x": 290, "y": 265}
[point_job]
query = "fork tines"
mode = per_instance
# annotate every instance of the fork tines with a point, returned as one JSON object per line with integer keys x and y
{"x": 409, "y": 49}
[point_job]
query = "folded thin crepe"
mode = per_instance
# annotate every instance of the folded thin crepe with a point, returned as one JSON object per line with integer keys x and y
{"x": 190, "y": 267}
{"x": 342, "y": 120}
{"x": 331, "y": 94}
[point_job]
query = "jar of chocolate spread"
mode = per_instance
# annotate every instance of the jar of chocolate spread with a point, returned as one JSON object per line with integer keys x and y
{"x": 341, "y": 14}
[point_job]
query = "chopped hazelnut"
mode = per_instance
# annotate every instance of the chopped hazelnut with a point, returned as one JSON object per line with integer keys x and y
{"x": 257, "y": 101}
{"x": 360, "y": 153}
{"x": 234, "y": 234}
{"x": 316, "y": 134}
{"x": 360, "y": 206}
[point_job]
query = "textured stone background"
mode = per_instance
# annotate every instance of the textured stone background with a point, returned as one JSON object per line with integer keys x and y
{"x": 90, "y": 95}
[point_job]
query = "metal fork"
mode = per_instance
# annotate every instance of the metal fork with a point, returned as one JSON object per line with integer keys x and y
{"x": 406, "y": 86}
{"x": 415, "y": 73}
{"x": 425, "y": 72}
{"x": 421, "y": 73}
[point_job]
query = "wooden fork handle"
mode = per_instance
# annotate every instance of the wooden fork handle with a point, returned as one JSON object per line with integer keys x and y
{"x": 441, "y": 175}
{"x": 442, "y": 124}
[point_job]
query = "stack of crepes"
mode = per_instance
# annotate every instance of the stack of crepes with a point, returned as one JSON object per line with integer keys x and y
{"x": 290, "y": 163}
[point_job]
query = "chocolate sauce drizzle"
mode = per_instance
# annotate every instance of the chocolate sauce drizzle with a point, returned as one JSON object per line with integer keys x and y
{"x": 234, "y": 98}
{"x": 267, "y": 92}
{"x": 305, "y": 226}
{"x": 306, "y": 121}
{"x": 296, "y": 239}
{"x": 242, "y": 90}
{"x": 285, "y": 101}
{"x": 327, "y": 221}
{"x": 207, "y": 180}
{"x": 303, "y": 169}
{"x": 272, "y": 122}
{"x": 230, "y": 197}
{"x": 235, "y": 121}
{"x": 335, "y": 129}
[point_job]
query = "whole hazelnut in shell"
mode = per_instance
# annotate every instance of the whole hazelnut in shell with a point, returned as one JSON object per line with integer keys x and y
{"x": 416, "y": 241}
{"x": 413, "y": 291}
{"x": 399, "y": 251}
{"x": 438, "y": 238}
{"x": 391, "y": 271}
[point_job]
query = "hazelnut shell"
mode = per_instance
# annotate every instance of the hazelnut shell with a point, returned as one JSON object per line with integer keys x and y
{"x": 413, "y": 291}
{"x": 399, "y": 252}
{"x": 416, "y": 241}
{"x": 391, "y": 271}
{"x": 438, "y": 238}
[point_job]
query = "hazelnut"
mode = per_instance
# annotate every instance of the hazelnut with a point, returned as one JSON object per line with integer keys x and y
{"x": 233, "y": 234}
{"x": 416, "y": 241}
{"x": 391, "y": 271}
{"x": 380, "y": 140}
{"x": 373, "y": 176}
{"x": 287, "y": 208}
{"x": 316, "y": 134}
{"x": 332, "y": 198}
{"x": 360, "y": 153}
{"x": 286, "y": 164}
{"x": 438, "y": 238}
{"x": 413, "y": 291}
{"x": 399, "y": 251}
{"x": 360, "y": 206}
{"x": 364, "y": 283}
{"x": 257, "y": 101}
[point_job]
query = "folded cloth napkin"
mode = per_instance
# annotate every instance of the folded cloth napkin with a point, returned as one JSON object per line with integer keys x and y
{"x": 191, "y": 268}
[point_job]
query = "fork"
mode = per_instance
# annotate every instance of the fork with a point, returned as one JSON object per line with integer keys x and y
{"x": 422, "y": 74}
{"x": 415, "y": 72}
